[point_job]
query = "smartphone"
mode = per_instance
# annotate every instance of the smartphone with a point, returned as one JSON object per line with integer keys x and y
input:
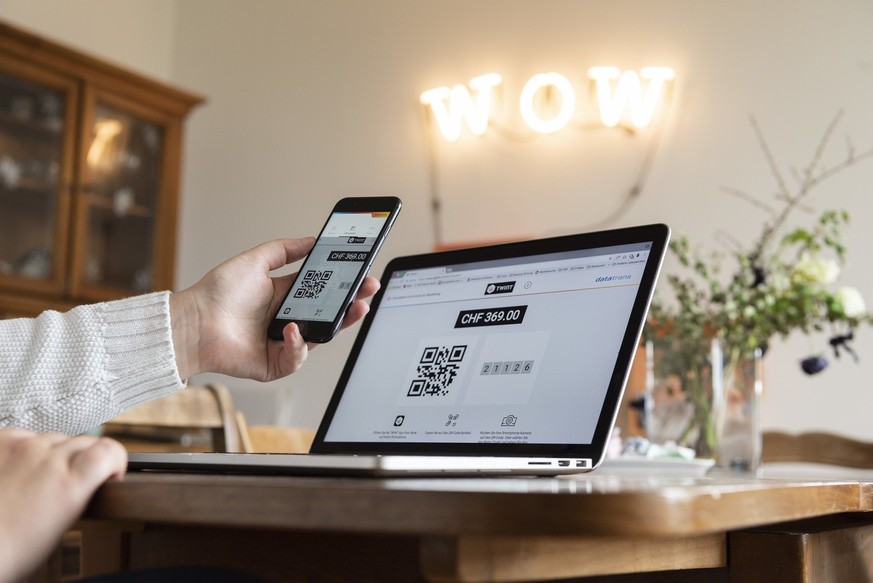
{"x": 336, "y": 266}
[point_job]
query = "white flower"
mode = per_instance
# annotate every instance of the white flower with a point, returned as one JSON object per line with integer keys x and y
{"x": 817, "y": 270}
{"x": 852, "y": 301}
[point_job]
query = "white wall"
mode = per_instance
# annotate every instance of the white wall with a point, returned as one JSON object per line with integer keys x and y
{"x": 310, "y": 101}
{"x": 132, "y": 33}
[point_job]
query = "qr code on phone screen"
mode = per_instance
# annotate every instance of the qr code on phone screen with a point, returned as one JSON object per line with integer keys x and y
{"x": 312, "y": 284}
{"x": 436, "y": 370}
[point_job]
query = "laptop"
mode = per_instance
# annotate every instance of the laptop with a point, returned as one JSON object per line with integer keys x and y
{"x": 503, "y": 359}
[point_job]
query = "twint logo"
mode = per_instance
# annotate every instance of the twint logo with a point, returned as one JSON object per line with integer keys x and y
{"x": 505, "y": 287}
{"x": 620, "y": 95}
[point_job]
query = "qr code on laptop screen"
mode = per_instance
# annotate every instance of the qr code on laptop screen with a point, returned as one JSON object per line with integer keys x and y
{"x": 436, "y": 371}
{"x": 312, "y": 284}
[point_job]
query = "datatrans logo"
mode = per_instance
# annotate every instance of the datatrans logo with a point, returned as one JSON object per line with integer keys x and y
{"x": 504, "y": 287}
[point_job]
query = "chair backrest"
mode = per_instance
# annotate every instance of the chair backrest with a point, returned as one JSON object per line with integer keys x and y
{"x": 198, "y": 418}
{"x": 817, "y": 447}
{"x": 273, "y": 439}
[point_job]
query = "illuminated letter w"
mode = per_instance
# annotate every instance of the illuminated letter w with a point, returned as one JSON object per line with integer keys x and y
{"x": 628, "y": 93}
{"x": 462, "y": 107}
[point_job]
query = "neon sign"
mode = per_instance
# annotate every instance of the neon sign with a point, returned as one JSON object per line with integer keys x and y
{"x": 621, "y": 95}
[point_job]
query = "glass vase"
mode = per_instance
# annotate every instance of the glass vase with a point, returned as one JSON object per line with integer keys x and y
{"x": 705, "y": 395}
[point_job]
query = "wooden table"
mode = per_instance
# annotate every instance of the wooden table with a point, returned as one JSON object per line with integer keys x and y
{"x": 720, "y": 527}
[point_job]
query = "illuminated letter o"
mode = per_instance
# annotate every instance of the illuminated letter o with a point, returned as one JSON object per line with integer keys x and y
{"x": 568, "y": 102}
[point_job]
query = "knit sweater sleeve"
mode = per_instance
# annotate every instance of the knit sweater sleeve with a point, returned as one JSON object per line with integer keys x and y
{"x": 71, "y": 371}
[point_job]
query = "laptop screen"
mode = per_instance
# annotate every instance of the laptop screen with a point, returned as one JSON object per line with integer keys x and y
{"x": 470, "y": 351}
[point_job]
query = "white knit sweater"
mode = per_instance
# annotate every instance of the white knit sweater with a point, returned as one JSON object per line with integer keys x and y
{"x": 71, "y": 371}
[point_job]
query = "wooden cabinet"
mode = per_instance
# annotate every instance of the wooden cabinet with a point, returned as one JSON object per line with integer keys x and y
{"x": 90, "y": 156}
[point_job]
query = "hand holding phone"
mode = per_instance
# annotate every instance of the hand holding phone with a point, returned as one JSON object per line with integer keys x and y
{"x": 336, "y": 266}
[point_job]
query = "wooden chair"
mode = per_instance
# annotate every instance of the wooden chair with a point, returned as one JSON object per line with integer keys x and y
{"x": 198, "y": 418}
{"x": 817, "y": 447}
{"x": 273, "y": 439}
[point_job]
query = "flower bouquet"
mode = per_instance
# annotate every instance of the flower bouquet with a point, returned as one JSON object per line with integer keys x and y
{"x": 728, "y": 306}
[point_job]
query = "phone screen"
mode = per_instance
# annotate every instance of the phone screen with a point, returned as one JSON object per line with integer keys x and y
{"x": 333, "y": 265}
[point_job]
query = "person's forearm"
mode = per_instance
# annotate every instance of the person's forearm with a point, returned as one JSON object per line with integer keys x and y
{"x": 184, "y": 319}
{"x": 70, "y": 372}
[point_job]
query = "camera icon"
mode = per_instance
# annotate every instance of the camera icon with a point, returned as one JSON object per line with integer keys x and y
{"x": 509, "y": 421}
{"x": 398, "y": 421}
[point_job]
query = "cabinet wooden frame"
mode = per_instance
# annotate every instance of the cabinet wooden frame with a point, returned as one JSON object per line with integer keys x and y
{"x": 85, "y": 82}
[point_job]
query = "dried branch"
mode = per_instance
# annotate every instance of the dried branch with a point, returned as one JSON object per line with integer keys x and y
{"x": 810, "y": 179}
{"x": 751, "y": 199}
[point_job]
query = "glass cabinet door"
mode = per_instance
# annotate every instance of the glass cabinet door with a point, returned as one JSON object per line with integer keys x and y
{"x": 117, "y": 210}
{"x": 36, "y": 142}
